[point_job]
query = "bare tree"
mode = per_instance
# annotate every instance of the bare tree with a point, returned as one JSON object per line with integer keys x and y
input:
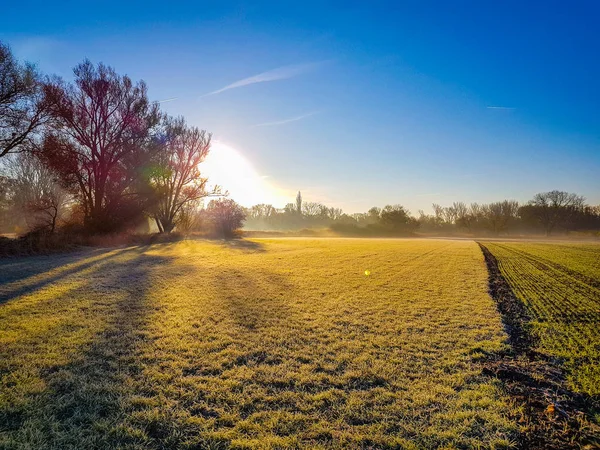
{"x": 438, "y": 211}
{"x": 554, "y": 208}
{"x": 37, "y": 197}
{"x": 22, "y": 110}
{"x": 463, "y": 218}
{"x": 100, "y": 141}
{"x": 336, "y": 213}
{"x": 499, "y": 215}
{"x": 177, "y": 179}
{"x": 290, "y": 209}
{"x": 449, "y": 215}
{"x": 261, "y": 211}
{"x": 311, "y": 209}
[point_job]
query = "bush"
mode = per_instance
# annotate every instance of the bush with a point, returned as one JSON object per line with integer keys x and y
{"x": 225, "y": 217}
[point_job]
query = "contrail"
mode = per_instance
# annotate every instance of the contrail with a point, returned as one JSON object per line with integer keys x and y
{"x": 282, "y": 122}
{"x": 281, "y": 73}
{"x": 166, "y": 100}
{"x": 505, "y": 108}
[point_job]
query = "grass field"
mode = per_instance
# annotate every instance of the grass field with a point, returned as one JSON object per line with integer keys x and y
{"x": 560, "y": 286}
{"x": 280, "y": 343}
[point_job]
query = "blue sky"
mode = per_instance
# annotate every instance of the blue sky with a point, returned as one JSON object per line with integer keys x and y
{"x": 358, "y": 104}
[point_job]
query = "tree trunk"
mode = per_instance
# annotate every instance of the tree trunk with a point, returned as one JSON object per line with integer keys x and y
{"x": 168, "y": 226}
{"x": 158, "y": 224}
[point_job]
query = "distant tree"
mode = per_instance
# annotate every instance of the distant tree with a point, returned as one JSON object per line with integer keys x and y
{"x": 22, "y": 110}
{"x": 475, "y": 216}
{"x": 299, "y": 203}
{"x": 438, "y": 211}
{"x": 397, "y": 217}
{"x": 461, "y": 215}
{"x": 225, "y": 216}
{"x": 101, "y": 143}
{"x": 450, "y": 214}
{"x": 552, "y": 209}
{"x": 176, "y": 178}
{"x": 500, "y": 215}
{"x": 374, "y": 214}
{"x": 360, "y": 218}
{"x": 37, "y": 197}
{"x": 290, "y": 209}
{"x": 336, "y": 213}
{"x": 311, "y": 209}
{"x": 261, "y": 211}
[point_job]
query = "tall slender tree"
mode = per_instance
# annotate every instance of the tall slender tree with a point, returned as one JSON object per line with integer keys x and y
{"x": 299, "y": 203}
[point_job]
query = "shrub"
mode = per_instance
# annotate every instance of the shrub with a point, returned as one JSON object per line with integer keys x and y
{"x": 225, "y": 217}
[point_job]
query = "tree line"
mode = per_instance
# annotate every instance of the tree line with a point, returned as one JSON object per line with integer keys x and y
{"x": 546, "y": 213}
{"x": 96, "y": 154}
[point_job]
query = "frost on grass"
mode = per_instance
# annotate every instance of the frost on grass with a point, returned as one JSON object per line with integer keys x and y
{"x": 200, "y": 345}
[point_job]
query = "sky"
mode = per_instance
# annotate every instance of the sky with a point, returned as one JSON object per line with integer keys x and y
{"x": 355, "y": 104}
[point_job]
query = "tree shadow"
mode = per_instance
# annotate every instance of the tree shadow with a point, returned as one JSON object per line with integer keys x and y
{"x": 26, "y": 276}
{"x": 244, "y": 245}
{"x": 238, "y": 291}
{"x": 85, "y": 399}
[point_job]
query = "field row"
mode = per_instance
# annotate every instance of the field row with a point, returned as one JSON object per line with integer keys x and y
{"x": 559, "y": 284}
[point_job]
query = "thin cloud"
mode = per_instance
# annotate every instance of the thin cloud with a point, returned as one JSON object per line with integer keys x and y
{"x": 283, "y": 122}
{"x": 502, "y": 108}
{"x": 281, "y": 73}
{"x": 166, "y": 100}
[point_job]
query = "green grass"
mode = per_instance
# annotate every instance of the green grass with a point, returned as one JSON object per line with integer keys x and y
{"x": 560, "y": 286}
{"x": 273, "y": 343}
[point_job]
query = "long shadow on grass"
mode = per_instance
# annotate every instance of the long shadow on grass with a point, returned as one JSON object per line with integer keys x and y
{"x": 27, "y": 275}
{"x": 85, "y": 401}
{"x": 251, "y": 306}
{"x": 244, "y": 245}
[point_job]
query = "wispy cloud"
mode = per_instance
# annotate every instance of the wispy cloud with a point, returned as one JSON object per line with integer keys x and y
{"x": 166, "y": 100}
{"x": 284, "y": 121}
{"x": 502, "y": 108}
{"x": 281, "y": 73}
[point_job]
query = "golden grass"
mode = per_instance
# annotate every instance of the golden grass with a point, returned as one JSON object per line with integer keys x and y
{"x": 269, "y": 343}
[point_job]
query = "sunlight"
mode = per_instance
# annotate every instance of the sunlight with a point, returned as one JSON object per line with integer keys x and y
{"x": 228, "y": 168}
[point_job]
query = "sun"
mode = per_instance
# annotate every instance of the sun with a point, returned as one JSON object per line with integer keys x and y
{"x": 228, "y": 168}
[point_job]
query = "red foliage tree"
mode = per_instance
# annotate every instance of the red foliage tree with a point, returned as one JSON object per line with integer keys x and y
{"x": 100, "y": 141}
